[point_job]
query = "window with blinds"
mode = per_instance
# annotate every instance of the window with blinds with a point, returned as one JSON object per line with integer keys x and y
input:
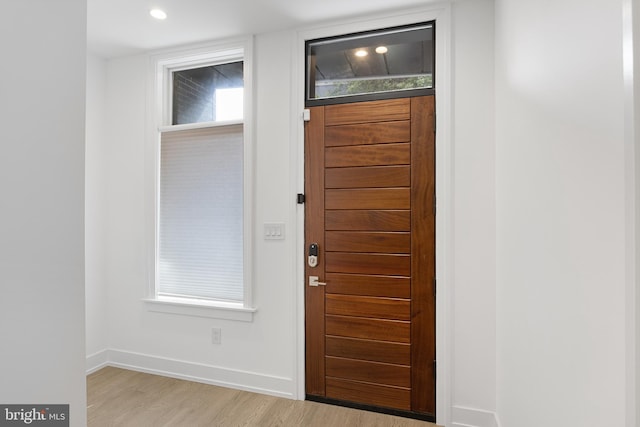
{"x": 199, "y": 183}
{"x": 200, "y": 214}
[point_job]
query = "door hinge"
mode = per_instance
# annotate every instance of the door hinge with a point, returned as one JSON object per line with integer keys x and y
{"x": 435, "y": 366}
{"x": 435, "y": 121}
{"x": 435, "y": 284}
{"x": 435, "y": 203}
{"x": 306, "y": 115}
{"x": 300, "y": 198}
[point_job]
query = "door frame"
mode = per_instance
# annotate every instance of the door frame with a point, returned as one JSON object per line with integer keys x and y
{"x": 441, "y": 13}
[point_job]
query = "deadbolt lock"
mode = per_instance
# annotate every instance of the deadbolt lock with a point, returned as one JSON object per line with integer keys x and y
{"x": 313, "y": 255}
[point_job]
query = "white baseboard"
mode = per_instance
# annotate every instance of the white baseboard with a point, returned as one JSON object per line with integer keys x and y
{"x": 243, "y": 380}
{"x": 471, "y": 417}
{"x": 96, "y": 361}
{"x": 207, "y": 374}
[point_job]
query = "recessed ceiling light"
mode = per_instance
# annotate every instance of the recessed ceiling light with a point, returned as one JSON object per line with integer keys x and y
{"x": 381, "y": 49}
{"x": 158, "y": 14}
{"x": 361, "y": 53}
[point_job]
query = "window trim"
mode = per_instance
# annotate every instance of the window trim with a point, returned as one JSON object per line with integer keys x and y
{"x": 161, "y": 65}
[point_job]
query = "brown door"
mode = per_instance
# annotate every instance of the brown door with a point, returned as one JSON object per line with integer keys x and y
{"x": 369, "y": 183}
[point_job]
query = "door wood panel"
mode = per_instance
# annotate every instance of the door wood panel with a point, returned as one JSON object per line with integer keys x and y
{"x": 371, "y": 185}
{"x": 368, "y": 241}
{"x": 380, "y": 220}
{"x": 375, "y": 351}
{"x": 368, "y": 112}
{"x": 368, "y": 198}
{"x": 385, "y": 396}
{"x": 368, "y": 177}
{"x": 423, "y": 261}
{"x": 368, "y": 133}
{"x": 371, "y": 372}
{"x": 383, "y": 264}
{"x": 373, "y": 329}
{"x": 368, "y": 155}
{"x": 381, "y": 308}
{"x": 368, "y": 285}
{"x": 314, "y": 296}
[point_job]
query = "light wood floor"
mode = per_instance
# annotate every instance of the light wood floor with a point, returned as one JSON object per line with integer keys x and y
{"x": 118, "y": 397}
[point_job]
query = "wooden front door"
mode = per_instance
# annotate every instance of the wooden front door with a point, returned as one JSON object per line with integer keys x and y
{"x": 370, "y": 323}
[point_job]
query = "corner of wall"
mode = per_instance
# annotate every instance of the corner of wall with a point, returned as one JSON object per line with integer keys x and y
{"x": 631, "y": 57}
{"x": 97, "y": 361}
{"x": 472, "y": 417}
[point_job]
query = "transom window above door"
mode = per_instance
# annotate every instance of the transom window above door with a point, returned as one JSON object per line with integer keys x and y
{"x": 389, "y": 63}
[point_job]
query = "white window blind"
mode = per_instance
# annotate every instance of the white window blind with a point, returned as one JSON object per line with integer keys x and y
{"x": 200, "y": 235}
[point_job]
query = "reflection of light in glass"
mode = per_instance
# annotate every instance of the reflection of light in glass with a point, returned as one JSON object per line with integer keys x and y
{"x": 229, "y": 104}
{"x": 381, "y": 49}
{"x": 361, "y": 53}
{"x": 158, "y": 14}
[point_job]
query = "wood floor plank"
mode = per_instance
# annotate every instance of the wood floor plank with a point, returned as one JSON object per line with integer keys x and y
{"x": 124, "y": 398}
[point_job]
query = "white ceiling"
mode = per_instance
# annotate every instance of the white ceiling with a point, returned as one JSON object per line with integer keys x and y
{"x": 124, "y": 27}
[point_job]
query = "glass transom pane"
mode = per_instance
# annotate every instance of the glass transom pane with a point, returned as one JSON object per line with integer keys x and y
{"x": 385, "y": 61}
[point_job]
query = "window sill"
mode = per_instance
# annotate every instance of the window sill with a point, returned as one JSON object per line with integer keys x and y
{"x": 200, "y": 308}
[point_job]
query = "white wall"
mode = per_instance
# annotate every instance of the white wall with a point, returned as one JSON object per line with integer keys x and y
{"x": 560, "y": 213}
{"x": 474, "y": 296}
{"x": 635, "y": 388}
{"x": 631, "y": 64}
{"x": 258, "y": 355}
{"x": 42, "y": 83}
{"x": 632, "y": 73}
{"x": 96, "y": 209}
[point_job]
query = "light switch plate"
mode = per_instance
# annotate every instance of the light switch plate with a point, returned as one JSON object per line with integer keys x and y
{"x": 274, "y": 231}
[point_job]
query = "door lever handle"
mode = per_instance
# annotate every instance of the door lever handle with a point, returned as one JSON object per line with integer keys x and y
{"x": 313, "y": 281}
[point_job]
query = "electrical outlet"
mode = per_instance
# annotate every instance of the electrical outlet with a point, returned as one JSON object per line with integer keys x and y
{"x": 216, "y": 336}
